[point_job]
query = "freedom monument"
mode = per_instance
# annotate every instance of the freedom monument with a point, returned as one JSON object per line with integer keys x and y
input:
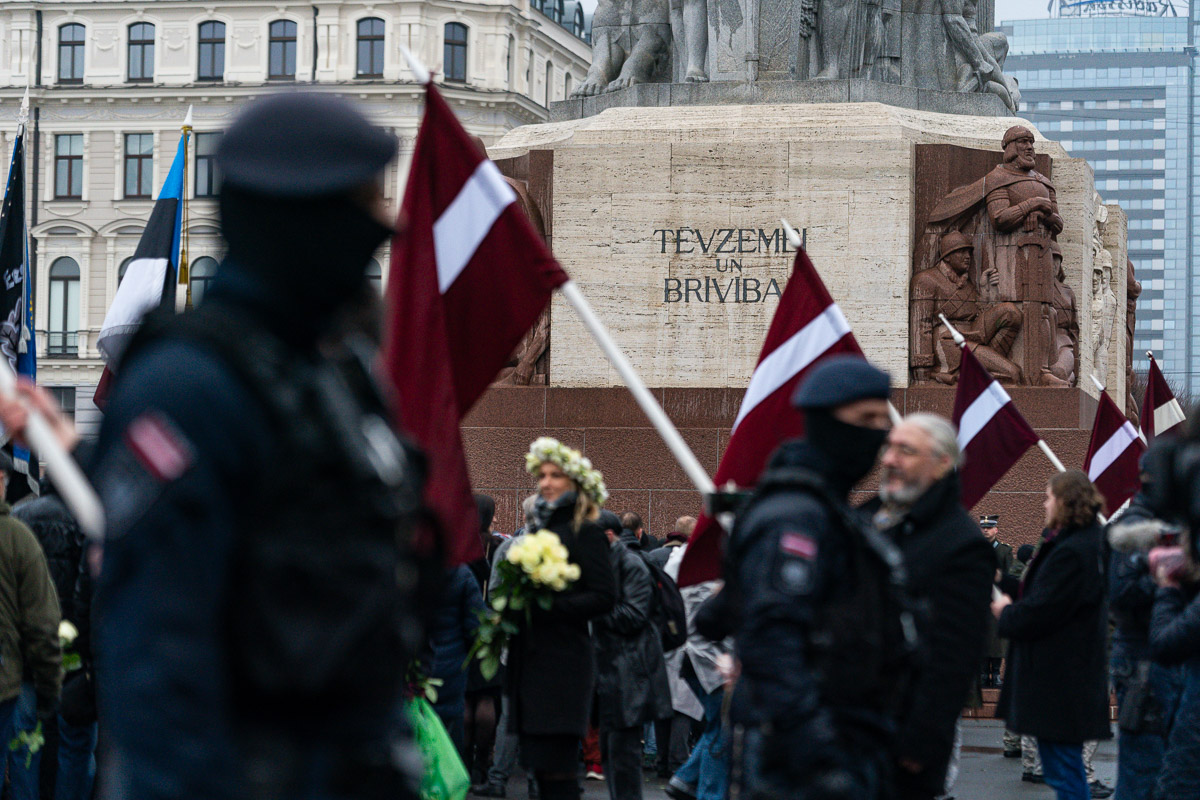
{"x": 883, "y": 130}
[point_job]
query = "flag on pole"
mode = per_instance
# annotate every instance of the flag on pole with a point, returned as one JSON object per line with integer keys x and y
{"x": 16, "y": 300}
{"x": 150, "y": 277}
{"x": 1113, "y": 454}
{"x": 469, "y": 277}
{"x": 1160, "y": 410}
{"x": 992, "y": 434}
{"x": 808, "y": 326}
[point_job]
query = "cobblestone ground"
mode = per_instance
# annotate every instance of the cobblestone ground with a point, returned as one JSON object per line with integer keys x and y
{"x": 985, "y": 773}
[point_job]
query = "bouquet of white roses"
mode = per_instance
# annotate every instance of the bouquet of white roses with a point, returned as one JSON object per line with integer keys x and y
{"x": 534, "y": 569}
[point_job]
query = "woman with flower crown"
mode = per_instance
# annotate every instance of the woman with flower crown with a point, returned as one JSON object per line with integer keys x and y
{"x": 550, "y": 675}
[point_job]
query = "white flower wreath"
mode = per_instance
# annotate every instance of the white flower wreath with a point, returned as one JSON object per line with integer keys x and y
{"x": 570, "y": 461}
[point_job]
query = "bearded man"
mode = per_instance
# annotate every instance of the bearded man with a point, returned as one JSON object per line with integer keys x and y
{"x": 950, "y": 569}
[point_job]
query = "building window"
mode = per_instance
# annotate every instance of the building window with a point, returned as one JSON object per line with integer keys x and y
{"x": 375, "y": 275}
{"x": 64, "y": 308}
{"x": 65, "y": 397}
{"x": 370, "y": 48}
{"x": 510, "y": 58}
{"x": 200, "y": 276}
{"x": 455, "y": 55}
{"x": 556, "y": 10}
{"x": 70, "y": 53}
{"x": 68, "y": 166}
{"x": 139, "y": 165}
{"x": 212, "y": 51}
{"x": 141, "y": 51}
{"x": 121, "y": 270}
{"x": 549, "y": 78}
{"x": 282, "y": 50}
{"x": 207, "y": 180}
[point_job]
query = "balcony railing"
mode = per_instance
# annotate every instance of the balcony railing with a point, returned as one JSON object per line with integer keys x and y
{"x": 64, "y": 344}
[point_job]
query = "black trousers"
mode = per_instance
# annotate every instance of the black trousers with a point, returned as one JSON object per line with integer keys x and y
{"x": 623, "y": 762}
{"x": 672, "y": 737}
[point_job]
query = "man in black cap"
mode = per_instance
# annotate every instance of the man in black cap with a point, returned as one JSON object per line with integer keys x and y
{"x": 254, "y": 609}
{"x": 989, "y": 524}
{"x": 823, "y": 633}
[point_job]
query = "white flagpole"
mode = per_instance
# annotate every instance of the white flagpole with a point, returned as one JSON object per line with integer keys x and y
{"x": 795, "y": 241}
{"x": 658, "y": 418}
{"x": 1041, "y": 443}
{"x": 78, "y": 494}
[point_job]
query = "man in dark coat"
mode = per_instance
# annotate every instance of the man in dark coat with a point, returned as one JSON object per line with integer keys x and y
{"x": 811, "y": 590}
{"x": 989, "y": 524}
{"x": 950, "y": 570}
{"x": 631, "y": 685}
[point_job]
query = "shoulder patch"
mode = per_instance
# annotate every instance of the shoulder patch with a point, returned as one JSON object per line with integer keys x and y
{"x": 159, "y": 446}
{"x": 150, "y": 455}
{"x": 801, "y": 545}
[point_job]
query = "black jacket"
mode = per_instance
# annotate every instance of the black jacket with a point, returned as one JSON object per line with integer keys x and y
{"x": 451, "y": 633}
{"x": 950, "y": 570}
{"x": 1131, "y": 588}
{"x": 551, "y": 664}
{"x": 61, "y": 540}
{"x": 1056, "y": 683}
{"x": 631, "y": 685}
{"x": 1174, "y": 639}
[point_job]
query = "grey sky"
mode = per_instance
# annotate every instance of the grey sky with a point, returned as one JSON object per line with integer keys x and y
{"x": 1005, "y": 9}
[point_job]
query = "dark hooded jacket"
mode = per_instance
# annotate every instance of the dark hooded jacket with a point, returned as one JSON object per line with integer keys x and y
{"x": 1175, "y": 639}
{"x": 631, "y": 686}
{"x": 950, "y": 568}
{"x": 62, "y": 541}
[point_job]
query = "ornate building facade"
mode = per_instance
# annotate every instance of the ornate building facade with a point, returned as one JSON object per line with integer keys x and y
{"x": 110, "y": 84}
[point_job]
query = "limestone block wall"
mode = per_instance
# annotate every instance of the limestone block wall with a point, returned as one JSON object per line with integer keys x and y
{"x": 661, "y": 213}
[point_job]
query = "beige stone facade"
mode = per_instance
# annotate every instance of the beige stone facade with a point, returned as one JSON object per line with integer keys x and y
{"x": 842, "y": 173}
{"x": 517, "y": 58}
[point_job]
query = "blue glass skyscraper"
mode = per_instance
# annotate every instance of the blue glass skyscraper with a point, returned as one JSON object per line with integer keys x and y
{"x": 1120, "y": 91}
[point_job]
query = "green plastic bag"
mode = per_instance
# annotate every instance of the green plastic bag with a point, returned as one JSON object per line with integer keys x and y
{"x": 445, "y": 776}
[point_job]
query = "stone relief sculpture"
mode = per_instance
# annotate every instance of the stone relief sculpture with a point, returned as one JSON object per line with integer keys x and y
{"x": 935, "y": 44}
{"x": 1011, "y": 214}
{"x": 1104, "y": 315}
{"x": 1133, "y": 290}
{"x": 1062, "y": 323}
{"x": 946, "y": 289}
{"x": 528, "y": 365}
{"x": 630, "y": 40}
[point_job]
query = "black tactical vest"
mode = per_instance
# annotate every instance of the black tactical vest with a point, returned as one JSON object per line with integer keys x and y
{"x": 320, "y": 620}
{"x": 864, "y": 638}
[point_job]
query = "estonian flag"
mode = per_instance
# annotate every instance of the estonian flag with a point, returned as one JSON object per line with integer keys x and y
{"x": 150, "y": 277}
{"x": 16, "y": 302}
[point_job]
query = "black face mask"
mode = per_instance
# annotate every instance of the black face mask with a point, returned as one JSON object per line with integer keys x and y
{"x": 851, "y": 450}
{"x": 311, "y": 253}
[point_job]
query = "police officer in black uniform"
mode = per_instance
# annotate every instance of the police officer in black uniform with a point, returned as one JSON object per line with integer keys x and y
{"x": 823, "y": 630}
{"x": 254, "y": 607}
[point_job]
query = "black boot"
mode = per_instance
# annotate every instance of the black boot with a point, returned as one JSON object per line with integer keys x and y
{"x": 489, "y": 789}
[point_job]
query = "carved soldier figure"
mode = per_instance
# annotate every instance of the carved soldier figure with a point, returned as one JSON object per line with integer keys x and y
{"x": 1104, "y": 314}
{"x": 1018, "y": 196}
{"x": 851, "y": 34}
{"x": 990, "y": 329}
{"x": 1062, "y": 321}
{"x": 1133, "y": 290}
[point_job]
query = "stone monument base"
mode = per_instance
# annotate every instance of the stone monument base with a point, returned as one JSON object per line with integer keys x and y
{"x": 611, "y": 430}
{"x": 723, "y": 93}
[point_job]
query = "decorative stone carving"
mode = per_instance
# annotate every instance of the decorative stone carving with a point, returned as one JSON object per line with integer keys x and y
{"x": 630, "y": 41}
{"x": 1133, "y": 290}
{"x": 1104, "y": 313}
{"x": 689, "y": 30}
{"x": 528, "y": 365}
{"x": 946, "y": 289}
{"x": 1062, "y": 322}
{"x": 850, "y": 33}
{"x": 1011, "y": 215}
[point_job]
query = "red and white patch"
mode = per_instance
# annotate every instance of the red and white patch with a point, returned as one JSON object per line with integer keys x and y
{"x": 160, "y": 448}
{"x": 799, "y": 544}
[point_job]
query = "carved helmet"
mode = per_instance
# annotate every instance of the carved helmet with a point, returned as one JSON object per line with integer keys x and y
{"x": 1014, "y": 133}
{"x": 953, "y": 241}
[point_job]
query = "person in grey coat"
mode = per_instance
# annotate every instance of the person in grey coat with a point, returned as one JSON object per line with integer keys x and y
{"x": 631, "y": 680}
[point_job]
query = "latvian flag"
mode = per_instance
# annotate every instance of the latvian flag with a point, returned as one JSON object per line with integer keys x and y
{"x": 992, "y": 434}
{"x": 150, "y": 277}
{"x": 1160, "y": 410}
{"x": 468, "y": 278}
{"x": 1113, "y": 454}
{"x": 808, "y": 326}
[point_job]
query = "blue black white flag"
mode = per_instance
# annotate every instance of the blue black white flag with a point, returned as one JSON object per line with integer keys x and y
{"x": 151, "y": 276}
{"x": 16, "y": 301}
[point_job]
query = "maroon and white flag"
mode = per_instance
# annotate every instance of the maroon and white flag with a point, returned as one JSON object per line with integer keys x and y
{"x": 992, "y": 434}
{"x": 468, "y": 278}
{"x": 1113, "y": 454}
{"x": 1160, "y": 410}
{"x": 808, "y": 326}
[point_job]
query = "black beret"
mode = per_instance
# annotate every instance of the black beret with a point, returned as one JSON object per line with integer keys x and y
{"x": 839, "y": 380}
{"x": 608, "y": 521}
{"x": 302, "y": 145}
